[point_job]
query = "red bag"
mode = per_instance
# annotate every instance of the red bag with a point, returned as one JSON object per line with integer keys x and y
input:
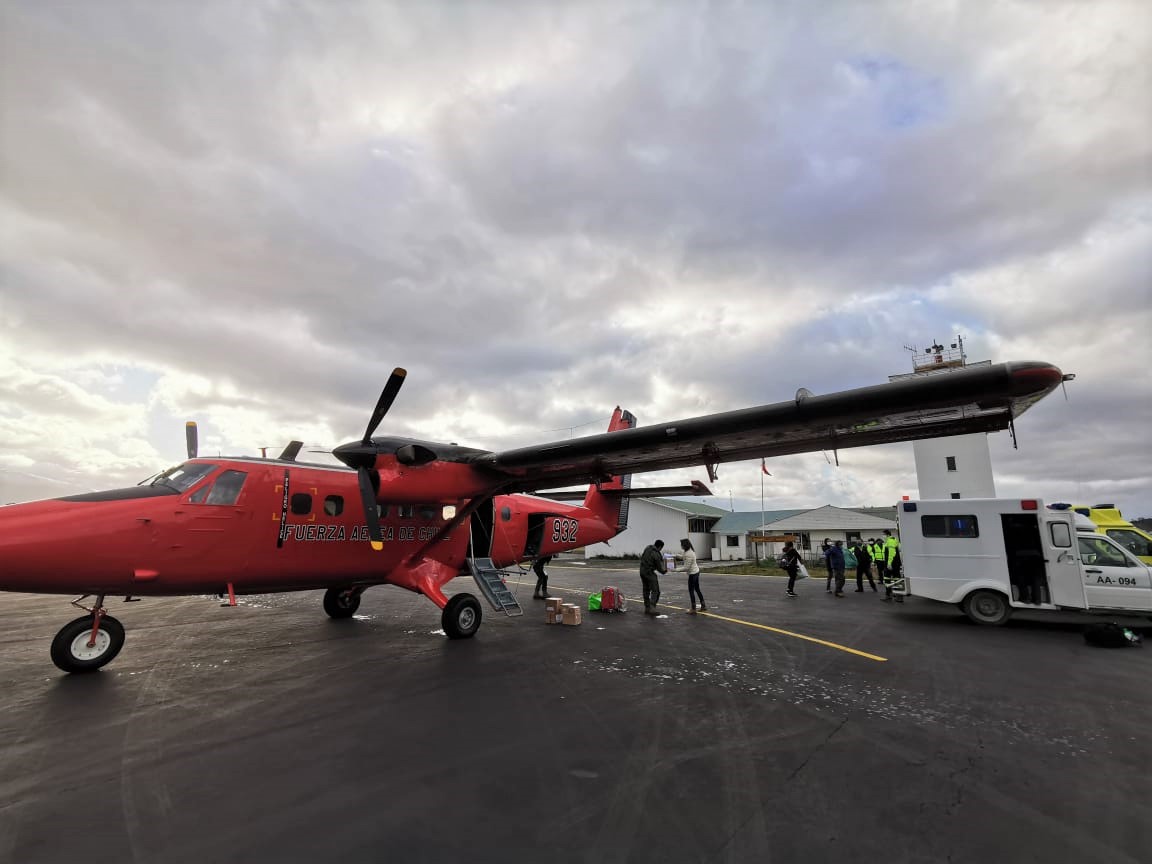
{"x": 609, "y": 600}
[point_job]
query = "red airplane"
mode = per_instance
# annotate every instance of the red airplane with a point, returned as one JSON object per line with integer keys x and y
{"x": 417, "y": 514}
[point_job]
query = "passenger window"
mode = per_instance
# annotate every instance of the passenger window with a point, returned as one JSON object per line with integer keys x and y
{"x": 333, "y": 505}
{"x": 427, "y": 513}
{"x": 1061, "y": 536}
{"x": 200, "y": 494}
{"x": 1101, "y": 553}
{"x": 382, "y": 510}
{"x": 301, "y": 503}
{"x": 227, "y": 488}
{"x": 949, "y": 526}
{"x": 407, "y": 511}
{"x": 506, "y": 514}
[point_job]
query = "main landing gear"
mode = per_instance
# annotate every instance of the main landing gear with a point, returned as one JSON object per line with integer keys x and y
{"x": 461, "y": 617}
{"x": 342, "y": 602}
{"x": 86, "y": 644}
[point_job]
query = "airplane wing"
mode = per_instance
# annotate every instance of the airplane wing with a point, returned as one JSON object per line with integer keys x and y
{"x": 957, "y": 402}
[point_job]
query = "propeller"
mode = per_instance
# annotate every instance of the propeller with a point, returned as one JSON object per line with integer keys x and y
{"x": 191, "y": 438}
{"x": 387, "y": 397}
{"x": 362, "y": 457}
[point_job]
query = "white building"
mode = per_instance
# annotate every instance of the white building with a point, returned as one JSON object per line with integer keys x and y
{"x": 737, "y": 533}
{"x": 667, "y": 519}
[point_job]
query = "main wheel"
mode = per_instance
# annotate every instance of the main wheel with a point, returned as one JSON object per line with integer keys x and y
{"x": 461, "y": 617}
{"x": 987, "y": 607}
{"x": 341, "y": 603}
{"x": 71, "y": 651}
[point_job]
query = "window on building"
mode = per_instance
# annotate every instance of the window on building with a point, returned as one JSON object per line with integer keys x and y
{"x": 333, "y": 505}
{"x": 951, "y": 460}
{"x": 698, "y": 526}
{"x": 731, "y": 539}
{"x": 949, "y": 526}
{"x": 955, "y": 494}
{"x": 301, "y": 503}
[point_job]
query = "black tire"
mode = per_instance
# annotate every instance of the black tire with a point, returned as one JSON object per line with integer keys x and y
{"x": 990, "y": 608}
{"x": 71, "y": 653}
{"x": 341, "y": 602}
{"x": 461, "y": 617}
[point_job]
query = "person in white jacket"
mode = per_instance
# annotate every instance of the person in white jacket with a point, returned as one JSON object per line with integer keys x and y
{"x": 693, "y": 571}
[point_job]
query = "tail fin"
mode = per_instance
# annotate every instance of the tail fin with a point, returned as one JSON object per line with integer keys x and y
{"x": 613, "y": 509}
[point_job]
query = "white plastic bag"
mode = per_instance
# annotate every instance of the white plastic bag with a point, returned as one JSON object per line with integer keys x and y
{"x": 801, "y": 571}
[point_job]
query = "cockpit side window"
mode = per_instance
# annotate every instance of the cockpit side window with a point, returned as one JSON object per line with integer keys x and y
{"x": 184, "y": 477}
{"x": 227, "y": 488}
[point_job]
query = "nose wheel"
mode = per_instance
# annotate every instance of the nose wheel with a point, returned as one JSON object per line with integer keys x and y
{"x": 89, "y": 642}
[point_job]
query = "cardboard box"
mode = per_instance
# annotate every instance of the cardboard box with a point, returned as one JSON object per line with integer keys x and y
{"x": 553, "y": 604}
{"x": 553, "y": 616}
{"x": 571, "y": 615}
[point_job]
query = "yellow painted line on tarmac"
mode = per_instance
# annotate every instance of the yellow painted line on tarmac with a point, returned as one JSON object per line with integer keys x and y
{"x": 794, "y": 635}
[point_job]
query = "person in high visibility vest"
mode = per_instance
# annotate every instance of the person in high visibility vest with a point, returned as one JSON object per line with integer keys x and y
{"x": 876, "y": 549}
{"x": 891, "y": 566}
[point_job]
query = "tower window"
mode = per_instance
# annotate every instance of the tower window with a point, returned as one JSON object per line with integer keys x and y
{"x": 951, "y": 460}
{"x": 955, "y": 494}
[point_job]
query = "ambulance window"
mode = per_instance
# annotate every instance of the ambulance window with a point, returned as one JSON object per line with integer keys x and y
{"x": 949, "y": 526}
{"x": 301, "y": 503}
{"x": 1130, "y": 540}
{"x": 227, "y": 488}
{"x": 1097, "y": 550}
{"x": 333, "y": 505}
{"x": 1061, "y": 536}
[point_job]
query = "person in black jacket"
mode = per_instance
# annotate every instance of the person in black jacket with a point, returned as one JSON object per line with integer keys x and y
{"x": 863, "y": 566}
{"x": 651, "y": 566}
{"x": 791, "y": 561}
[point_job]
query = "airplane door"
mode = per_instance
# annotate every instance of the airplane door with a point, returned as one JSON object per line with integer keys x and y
{"x": 210, "y": 524}
{"x": 1112, "y": 580}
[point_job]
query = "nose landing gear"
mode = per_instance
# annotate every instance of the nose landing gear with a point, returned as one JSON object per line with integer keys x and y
{"x": 88, "y": 642}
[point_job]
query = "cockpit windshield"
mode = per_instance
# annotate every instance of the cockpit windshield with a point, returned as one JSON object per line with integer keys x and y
{"x": 184, "y": 477}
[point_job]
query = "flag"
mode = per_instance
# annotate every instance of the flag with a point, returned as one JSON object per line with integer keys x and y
{"x": 764, "y": 468}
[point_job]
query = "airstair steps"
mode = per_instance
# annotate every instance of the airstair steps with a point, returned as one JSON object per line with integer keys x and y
{"x": 492, "y": 582}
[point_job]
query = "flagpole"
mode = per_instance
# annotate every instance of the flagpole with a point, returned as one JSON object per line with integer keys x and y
{"x": 761, "y": 500}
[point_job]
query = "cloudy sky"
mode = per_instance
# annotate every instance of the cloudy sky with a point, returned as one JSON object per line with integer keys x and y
{"x": 248, "y": 213}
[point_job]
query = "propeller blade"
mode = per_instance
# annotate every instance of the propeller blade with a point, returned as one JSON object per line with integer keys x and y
{"x": 371, "y": 514}
{"x": 291, "y": 451}
{"x": 387, "y": 396}
{"x": 190, "y": 437}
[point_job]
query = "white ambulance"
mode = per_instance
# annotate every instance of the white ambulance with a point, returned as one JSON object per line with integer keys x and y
{"x": 993, "y": 555}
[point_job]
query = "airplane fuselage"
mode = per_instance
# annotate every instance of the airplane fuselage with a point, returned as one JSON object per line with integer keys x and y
{"x": 274, "y": 526}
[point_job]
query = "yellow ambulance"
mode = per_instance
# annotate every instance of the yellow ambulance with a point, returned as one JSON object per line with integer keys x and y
{"x": 1109, "y": 521}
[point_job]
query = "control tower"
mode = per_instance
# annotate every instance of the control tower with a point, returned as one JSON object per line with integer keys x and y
{"x": 958, "y": 466}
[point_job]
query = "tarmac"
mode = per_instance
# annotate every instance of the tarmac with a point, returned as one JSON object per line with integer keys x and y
{"x": 769, "y": 730}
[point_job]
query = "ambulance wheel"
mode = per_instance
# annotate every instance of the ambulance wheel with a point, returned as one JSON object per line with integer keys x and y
{"x": 341, "y": 603}
{"x": 70, "y": 649}
{"x": 461, "y": 617}
{"x": 987, "y": 607}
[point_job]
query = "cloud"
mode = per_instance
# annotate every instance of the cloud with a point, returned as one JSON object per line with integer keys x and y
{"x": 249, "y": 214}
